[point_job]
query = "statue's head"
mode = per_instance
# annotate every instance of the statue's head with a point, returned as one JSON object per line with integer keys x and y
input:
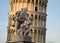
{"x": 25, "y": 9}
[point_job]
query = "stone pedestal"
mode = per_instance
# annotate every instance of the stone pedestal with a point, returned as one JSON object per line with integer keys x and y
{"x": 20, "y": 42}
{"x": 21, "y": 39}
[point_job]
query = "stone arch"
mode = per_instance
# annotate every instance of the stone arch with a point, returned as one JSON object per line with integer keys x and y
{"x": 41, "y": 32}
{"x": 35, "y": 16}
{"x": 38, "y": 31}
{"x": 31, "y": 30}
{"x": 42, "y": 17}
{"x": 43, "y": 6}
{"x": 13, "y": 1}
{"x": 36, "y": 9}
{"x": 32, "y": 1}
{"x": 32, "y": 15}
{"x": 28, "y": 1}
{"x": 40, "y": 2}
{"x": 35, "y": 31}
{"x": 39, "y": 17}
{"x": 36, "y": 2}
{"x": 17, "y": 1}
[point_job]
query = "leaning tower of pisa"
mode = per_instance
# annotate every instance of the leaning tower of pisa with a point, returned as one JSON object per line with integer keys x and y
{"x": 36, "y": 9}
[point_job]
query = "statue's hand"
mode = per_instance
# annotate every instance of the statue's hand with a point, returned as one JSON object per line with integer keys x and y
{"x": 22, "y": 25}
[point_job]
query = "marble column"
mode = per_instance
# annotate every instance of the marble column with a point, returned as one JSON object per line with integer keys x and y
{"x": 44, "y": 38}
{"x": 37, "y": 37}
{"x": 33, "y": 21}
{"x": 33, "y": 36}
{"x": 27, "y": 3}
{"x": 36, "y": 21}
{"x": 34, "y": 4}
{"x": 22, "y": 4}
{"x": 38, "y": 5}
{"x": 41, "y": 21}
{"x": 40, "y": 37}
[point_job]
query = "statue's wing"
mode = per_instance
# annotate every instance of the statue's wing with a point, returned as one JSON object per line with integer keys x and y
{"x": 28, "y": 22}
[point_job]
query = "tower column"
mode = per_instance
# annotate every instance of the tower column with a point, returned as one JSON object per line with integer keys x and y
{"x": 37, "y": 21}
{"x": 35, "y": 31}
{"x": 18, "y": 5}
{"x": 22, "y": 3}
{"x": 40, "y": 37}
{"x": 45, "y": 22}
{"x": 27, "y": 3}
{"x": 41, "y": 21}
{"x": 38, "y": 5}
{"x": 37, "y": 37}
{"x": 30, "y": 0}
{"x": 44, "y": 38}
{"x": 33, "y": 20}
{"x": 33, "y": 36}
{"x": 15, "y": 5}
{"x": 34, "y": 4}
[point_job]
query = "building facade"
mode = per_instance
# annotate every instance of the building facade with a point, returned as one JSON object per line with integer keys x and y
{"x": 37, "y": 9}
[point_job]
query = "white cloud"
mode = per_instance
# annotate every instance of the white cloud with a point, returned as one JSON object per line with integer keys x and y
{"x": 54, "y": 37}
{"x": 50, "y": 42}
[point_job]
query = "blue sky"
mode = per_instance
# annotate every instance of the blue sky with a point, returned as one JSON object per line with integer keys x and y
{"x": 53, "y": 21}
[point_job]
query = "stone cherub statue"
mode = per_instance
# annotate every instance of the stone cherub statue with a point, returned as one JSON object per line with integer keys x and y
{"x": 26, "y": 26}
{"x": 21, "y": 21}
{"x": 20, "y": 17}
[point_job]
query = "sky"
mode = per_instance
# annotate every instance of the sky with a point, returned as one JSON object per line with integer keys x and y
{"x": 52, "y": 24}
